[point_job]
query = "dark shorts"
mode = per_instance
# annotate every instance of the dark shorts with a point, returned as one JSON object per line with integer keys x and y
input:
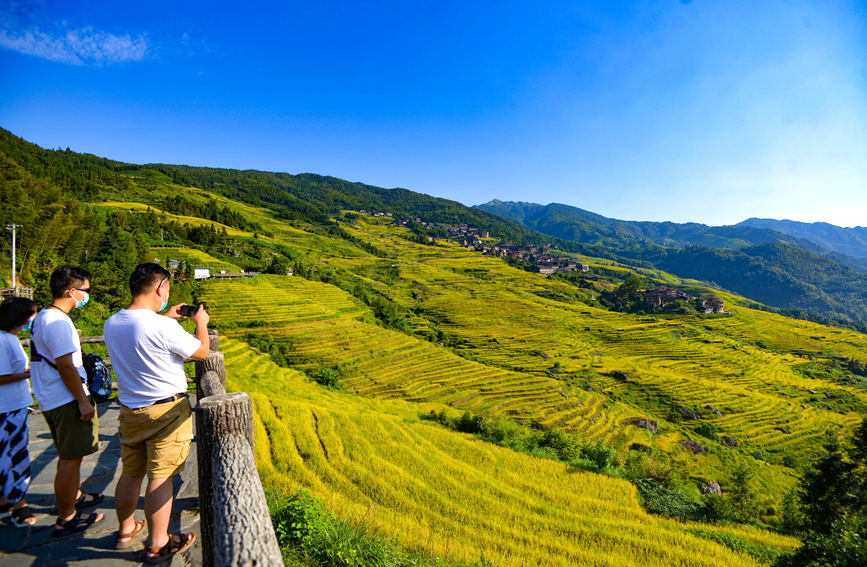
{"x": 72, "y": 437}
{"x": 155, "y": 440}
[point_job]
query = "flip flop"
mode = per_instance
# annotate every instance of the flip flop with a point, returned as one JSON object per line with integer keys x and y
{"x": 130, "y": 537}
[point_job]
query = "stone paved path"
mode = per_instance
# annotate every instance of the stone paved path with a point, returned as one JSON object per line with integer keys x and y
{"x": 24, "y": 547}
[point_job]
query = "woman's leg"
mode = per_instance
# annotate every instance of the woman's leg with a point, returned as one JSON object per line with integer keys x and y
{"x": 16, "y": 457}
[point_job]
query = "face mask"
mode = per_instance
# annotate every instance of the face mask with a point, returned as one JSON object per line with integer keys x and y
{"x": 83, "y": 302}
{"x": 164, "y": 304}
{"x": 26, "y": 326}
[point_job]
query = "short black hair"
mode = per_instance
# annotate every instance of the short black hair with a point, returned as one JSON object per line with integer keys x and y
{"x": 15, "y": 311}
{"x": 66, "y": 277}
{"x": 145, "y": 276}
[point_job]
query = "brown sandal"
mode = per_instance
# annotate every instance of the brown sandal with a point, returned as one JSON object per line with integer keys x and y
{"x": 130, "y": 537}
{"x": 170, "y": 549}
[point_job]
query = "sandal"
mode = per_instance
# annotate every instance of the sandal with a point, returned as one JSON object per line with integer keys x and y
{"x": 171, "y": 548}
{"x": 23, "y": 517}
{"x": 77, "y": 523}
{"x": 129, "y": 537}
{"x": 83, "y": 502}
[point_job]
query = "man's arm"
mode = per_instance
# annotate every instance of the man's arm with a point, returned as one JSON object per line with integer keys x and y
{"x": 72, "y": 380}
{"x": 201, "y": 319}
{"x": 10, "y": 378}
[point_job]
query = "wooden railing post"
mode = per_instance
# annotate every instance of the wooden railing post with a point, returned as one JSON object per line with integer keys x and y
{"x": 215, "y": 364}
{"x": 234, "y": 516}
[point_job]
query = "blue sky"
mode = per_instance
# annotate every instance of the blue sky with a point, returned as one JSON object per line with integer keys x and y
{"x": 700, "y": 111}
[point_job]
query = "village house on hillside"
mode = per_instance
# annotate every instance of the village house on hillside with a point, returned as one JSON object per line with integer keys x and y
{"x": 662, "y": 296}
{"x": 713, "y": 305}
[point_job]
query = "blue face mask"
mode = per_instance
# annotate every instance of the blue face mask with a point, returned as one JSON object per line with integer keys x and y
{"x": 83, "y": 302}
{"x": 26, "y": 326}
{"x": 164, "y": 305}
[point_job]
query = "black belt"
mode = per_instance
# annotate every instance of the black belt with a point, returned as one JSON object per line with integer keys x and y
{"x": 174, "y": 398}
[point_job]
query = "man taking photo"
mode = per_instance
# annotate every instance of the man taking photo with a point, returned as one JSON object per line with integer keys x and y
{"x": 147, "y": 351}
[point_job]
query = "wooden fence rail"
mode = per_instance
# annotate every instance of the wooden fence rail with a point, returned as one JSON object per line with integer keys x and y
{"x": 236, "y": 525}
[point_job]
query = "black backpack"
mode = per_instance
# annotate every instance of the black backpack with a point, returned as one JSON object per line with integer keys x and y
{"x": 98, "y": 377}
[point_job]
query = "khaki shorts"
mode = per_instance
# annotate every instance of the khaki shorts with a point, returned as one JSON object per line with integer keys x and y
{"x": 72, "y": 437}
{"x": 155, "y": 440}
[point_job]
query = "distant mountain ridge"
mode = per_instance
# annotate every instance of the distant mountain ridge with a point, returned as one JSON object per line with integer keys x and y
{"x": 845, "y": 245}
{"x": 848, "y": 241}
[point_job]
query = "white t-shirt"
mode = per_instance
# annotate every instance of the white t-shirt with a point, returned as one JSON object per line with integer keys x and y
{"x": 147, "y": 351}
{"x": 13, "y": 360}
{"x": 54, "y": 335}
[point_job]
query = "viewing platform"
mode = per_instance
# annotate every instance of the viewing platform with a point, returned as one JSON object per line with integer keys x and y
{"x": 34, "y": 546}
{"x": 218, "y": 495}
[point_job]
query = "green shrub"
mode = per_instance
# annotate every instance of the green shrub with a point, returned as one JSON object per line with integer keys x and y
{"x": 328, "y": 377}
{"x": 599, "y": 454}
{"x": 844, "y": 546}
{"x": 660, "y": 500}
{"x": 708, "y": 430}
{"x": 717, "y": 508}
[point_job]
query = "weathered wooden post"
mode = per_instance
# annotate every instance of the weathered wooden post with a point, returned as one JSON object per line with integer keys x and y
{"x": 235, "y": 523}
{"x": 215, "y": 384}
{"x": 251, "y": 541}
{"x": 234, "y": 515}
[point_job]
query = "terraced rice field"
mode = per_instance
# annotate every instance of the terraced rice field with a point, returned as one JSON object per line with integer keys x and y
{"x": 529, "y": 348}
{"x": 447, "y": 493}
{"x": 741, "y": 365}
{"x": 327, "y": 327}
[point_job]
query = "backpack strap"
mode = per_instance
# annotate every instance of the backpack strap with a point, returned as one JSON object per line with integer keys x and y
{"x": 34, "y": 353}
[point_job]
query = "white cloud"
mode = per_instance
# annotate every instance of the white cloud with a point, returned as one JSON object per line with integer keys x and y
{"x": 84, "y": 46}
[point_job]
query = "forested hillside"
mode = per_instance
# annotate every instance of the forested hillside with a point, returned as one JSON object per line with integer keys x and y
{"x": 785, "y": 271}
{"x": 849, "y": 241}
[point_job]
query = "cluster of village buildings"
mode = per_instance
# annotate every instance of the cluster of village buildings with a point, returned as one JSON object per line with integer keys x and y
{"x": 662, "y": 296}
{"x": 471, "y": 237}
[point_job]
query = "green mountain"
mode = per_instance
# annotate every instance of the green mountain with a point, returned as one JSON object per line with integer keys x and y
{"x": 572, "y": 223}
{"x": 849, "y": 241}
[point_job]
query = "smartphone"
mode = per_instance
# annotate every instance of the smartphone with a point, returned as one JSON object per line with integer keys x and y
{"x": 187, "y": 310}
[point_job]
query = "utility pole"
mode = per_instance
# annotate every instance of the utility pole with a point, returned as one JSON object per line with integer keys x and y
{"x": 13, "y": 228}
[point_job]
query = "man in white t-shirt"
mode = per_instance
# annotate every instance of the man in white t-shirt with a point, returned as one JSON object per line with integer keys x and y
{"x": 58, "y": 379}
{"x": 147, "y": 351}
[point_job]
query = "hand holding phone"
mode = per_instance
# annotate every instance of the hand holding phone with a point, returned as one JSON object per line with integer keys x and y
{"x": 188, "y": 310}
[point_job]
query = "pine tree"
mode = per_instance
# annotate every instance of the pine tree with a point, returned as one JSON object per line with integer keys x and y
{"x": 828, "y": 486}
{"x": 741, "y": 493}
